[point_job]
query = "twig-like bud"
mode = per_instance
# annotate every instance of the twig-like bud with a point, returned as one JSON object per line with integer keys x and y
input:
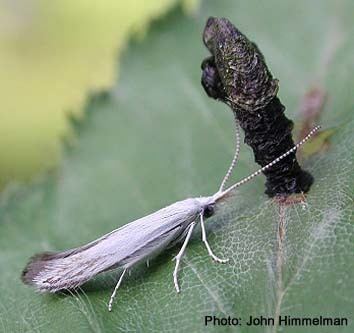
{"x": 237, "y": 75}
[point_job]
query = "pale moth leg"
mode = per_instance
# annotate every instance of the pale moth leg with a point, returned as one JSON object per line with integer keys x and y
{"x": 180, "y": 254}
{"x": 115, "y": 290}
{"x": 205, "y": 241}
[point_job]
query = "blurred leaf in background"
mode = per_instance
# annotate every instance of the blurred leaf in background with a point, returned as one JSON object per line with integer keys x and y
{"x": 156, "y": 138}
{"x": 52, "y": 55}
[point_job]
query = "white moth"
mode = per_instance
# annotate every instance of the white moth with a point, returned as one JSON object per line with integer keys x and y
{"x": 135, "y": 242}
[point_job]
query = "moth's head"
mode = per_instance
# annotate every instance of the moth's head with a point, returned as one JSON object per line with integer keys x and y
{"x": 209, "y": 210}
{"x": 207, "y": 205}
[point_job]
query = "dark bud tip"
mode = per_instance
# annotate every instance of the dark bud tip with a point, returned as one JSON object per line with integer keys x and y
{"x": 208, "y": 33}
{"x": 218, "y": 29}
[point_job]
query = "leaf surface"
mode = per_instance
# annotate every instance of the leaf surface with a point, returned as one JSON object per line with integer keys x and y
{"x": 157, "y": 138}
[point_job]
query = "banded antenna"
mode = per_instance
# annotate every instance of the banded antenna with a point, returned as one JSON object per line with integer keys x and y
{"x": 237, "y": 151}
{"x": 221, "y": 194}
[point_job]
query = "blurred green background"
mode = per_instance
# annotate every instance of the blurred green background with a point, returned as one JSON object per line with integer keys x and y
{"x": 52, "y": 55}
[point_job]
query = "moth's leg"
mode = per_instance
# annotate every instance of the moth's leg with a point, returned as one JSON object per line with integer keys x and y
{"x": 204, "y": 238}
{"x": 115, "y": 290}
{"x": 180, "y": 254}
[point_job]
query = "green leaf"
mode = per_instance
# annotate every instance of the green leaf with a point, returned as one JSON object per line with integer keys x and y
{"x": 157, "y": 138}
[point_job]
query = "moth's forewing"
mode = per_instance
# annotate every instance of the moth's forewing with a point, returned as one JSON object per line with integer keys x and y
{"x": 125, "y": 246}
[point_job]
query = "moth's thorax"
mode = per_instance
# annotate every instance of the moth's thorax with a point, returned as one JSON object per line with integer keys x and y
{"x": 205, "y": 201}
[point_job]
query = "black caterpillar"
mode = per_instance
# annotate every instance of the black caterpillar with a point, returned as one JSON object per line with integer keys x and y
{"x": 237, "y": 75}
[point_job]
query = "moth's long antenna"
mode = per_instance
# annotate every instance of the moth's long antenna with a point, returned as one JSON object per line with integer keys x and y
{"x": 219, "y": 195}
{"x": 234, "y": 160}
